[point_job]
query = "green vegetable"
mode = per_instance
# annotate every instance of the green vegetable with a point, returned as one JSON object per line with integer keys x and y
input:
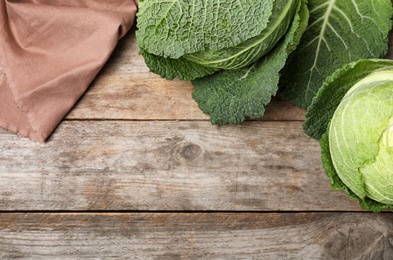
{"x": 229, "y": 96}
{"x": 339, "y": 32}
{"x": 251, "y": 50}
{"x": 173, "y": 28}
{"x": 242, "y": 44}
{"x": 356, "y": 131}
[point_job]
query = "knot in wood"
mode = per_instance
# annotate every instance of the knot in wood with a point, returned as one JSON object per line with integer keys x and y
{"x": 191, "y": 152}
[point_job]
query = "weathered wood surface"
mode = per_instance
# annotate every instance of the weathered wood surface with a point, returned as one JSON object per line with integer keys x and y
{"x": 197, "y": 236}
{"x": 117, "y": 165}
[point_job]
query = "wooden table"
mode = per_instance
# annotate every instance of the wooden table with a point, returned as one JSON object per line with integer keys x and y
{"x": 136, "y": 170}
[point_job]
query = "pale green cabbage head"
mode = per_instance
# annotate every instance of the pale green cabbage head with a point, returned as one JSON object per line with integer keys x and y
{"x": 352, "y": 116}
{"x": 361, "y": 137}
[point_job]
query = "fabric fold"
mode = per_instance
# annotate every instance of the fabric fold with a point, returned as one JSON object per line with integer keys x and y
{"x": 50, "y": 52}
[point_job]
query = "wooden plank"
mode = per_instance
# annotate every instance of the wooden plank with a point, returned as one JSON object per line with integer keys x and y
{"x": 196, "y": 236}
{"x": 147, "y": 165}
{"x": 126, "y": 90}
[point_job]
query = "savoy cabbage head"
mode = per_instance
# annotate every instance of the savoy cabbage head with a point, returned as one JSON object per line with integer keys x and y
{"x": 356, "y": 131}
{"x": 233, "y": 51}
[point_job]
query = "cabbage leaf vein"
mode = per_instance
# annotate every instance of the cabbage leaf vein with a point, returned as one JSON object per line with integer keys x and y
{"x": 339, "y": 32}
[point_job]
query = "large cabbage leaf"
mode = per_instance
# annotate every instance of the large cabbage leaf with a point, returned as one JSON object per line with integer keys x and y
{"x": 229, "y": 96}
{"x": 339, "y": 32}
{"x": 172, "y": 28}
{"x": 180, "y": 68}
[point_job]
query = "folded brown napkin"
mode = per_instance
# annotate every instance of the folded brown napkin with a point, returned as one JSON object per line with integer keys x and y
{"x": 50, "y": 51}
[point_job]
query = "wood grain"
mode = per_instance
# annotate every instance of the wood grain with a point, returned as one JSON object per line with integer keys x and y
{"x": 126, "y": 90}
{"x": 148, "y": 165}
{"x": 196, "y": 236}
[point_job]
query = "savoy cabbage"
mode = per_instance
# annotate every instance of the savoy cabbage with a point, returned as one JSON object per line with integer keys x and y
{"x": 233, "y": 51}
{"x": 238, "y": 54}
{"x": 352, "y": 115}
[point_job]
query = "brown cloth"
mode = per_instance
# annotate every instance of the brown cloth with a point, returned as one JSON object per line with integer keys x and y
{"x": 50, "y": 52}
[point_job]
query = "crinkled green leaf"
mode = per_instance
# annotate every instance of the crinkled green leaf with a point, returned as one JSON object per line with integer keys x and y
{"x": 333, "y": 90}
{"x": 254, "y": 48}
{"x": 339, "y": 32}
{"x": 173, "y": 28}
{"x": 175, "y": 68}
{"x": 229, "y": 96}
